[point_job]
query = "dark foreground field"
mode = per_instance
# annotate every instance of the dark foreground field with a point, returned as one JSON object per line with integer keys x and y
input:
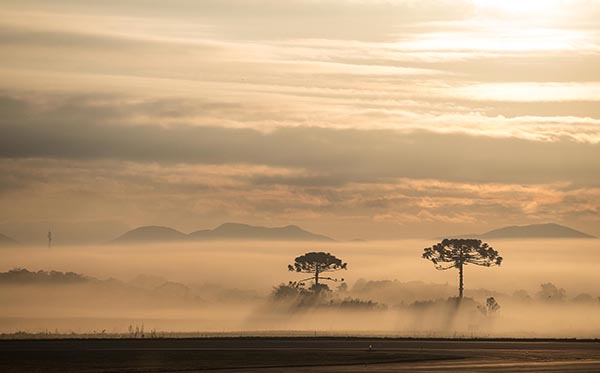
{"x": 296, "y": 355}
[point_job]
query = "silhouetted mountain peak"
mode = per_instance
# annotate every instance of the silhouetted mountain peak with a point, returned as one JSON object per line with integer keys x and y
{"x": 548, "y": 230}
{"x": 231, "y": 227}
{"x": 225, "y": 231}
{"x": 239, "y": 231}
{"x": 151, "y": 233}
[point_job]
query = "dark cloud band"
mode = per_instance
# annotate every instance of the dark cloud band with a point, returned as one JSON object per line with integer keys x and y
{"x": 77, "y": 130}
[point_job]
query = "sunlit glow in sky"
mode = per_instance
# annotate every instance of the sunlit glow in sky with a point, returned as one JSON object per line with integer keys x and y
{"x": 533, "y": 8}
{"x": 354, "y": 118}
{"x": 499, "y": 36}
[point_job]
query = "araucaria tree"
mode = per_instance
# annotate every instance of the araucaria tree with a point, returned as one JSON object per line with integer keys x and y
{"x": 317, "y": 263}
{"x": 456, "y": 253}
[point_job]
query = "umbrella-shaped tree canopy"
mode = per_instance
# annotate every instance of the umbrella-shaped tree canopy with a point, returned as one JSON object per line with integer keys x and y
{"x": 317, "y": 263}
{"x": 455, "y": 253}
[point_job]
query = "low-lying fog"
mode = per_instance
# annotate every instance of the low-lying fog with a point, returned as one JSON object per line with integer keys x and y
{"x": 228, "y": 287}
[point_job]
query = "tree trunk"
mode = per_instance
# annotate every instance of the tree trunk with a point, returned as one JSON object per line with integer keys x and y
{"x": 460, "y": 280}
{"x": 317, "y": 276}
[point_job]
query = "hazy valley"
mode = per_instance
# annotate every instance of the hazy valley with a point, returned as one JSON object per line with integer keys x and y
{"x": 227, "y": 286}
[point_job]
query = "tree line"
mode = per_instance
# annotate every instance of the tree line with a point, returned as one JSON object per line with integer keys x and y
{"x": 447, "y": 254}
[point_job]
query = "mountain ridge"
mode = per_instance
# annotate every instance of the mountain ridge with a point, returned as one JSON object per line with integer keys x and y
{"x": 225, "y": 231}
{"x": 151, "y": 233}
{"x": 546, "y": 230}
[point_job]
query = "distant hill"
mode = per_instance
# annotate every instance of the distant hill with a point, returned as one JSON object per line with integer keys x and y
{"x": 236, "y": 231}
{"x": 549, "y": 230}
{"x": 151, "y": 234}
{"x": 7, "y": 241}
{"x": 227, "y": 231}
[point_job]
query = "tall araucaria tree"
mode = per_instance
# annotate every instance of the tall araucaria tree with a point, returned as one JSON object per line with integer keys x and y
{"x": 456, "y": 253}
{"x": 317, "y": 263}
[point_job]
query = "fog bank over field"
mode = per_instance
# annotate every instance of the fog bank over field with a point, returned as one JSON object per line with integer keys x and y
{"x": 260, "y": 265}
{"x": 227, "y": 287}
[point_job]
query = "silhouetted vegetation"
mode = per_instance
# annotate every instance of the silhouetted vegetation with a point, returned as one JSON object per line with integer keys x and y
{"x": 23, "y": 276}
{"x": 395, "y": 292}
{"x": 291, "y": 290}
{"x": 456, "y": 253}
{"x": 551, "y": 293}
{"x": 490, "y": 308}
{"x": 449, "y": 303}
{"x": 317, "y": 263}
{"x": 359, "y": 304}
{"x": 414, "y": 307}
{"x": 297, "y": 295}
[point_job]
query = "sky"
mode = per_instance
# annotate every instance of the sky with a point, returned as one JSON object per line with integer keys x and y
{"x": 356, "y": 119}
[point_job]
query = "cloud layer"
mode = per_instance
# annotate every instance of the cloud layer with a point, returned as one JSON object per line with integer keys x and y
{"x": 382, "y": 118}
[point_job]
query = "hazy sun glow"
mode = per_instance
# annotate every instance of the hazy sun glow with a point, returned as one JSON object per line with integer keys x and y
{"x": 521, "y": 7}
{"x": 162, "y": 163}
{"x": 328, "y": 112}
{"x": 495, "y": 36}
